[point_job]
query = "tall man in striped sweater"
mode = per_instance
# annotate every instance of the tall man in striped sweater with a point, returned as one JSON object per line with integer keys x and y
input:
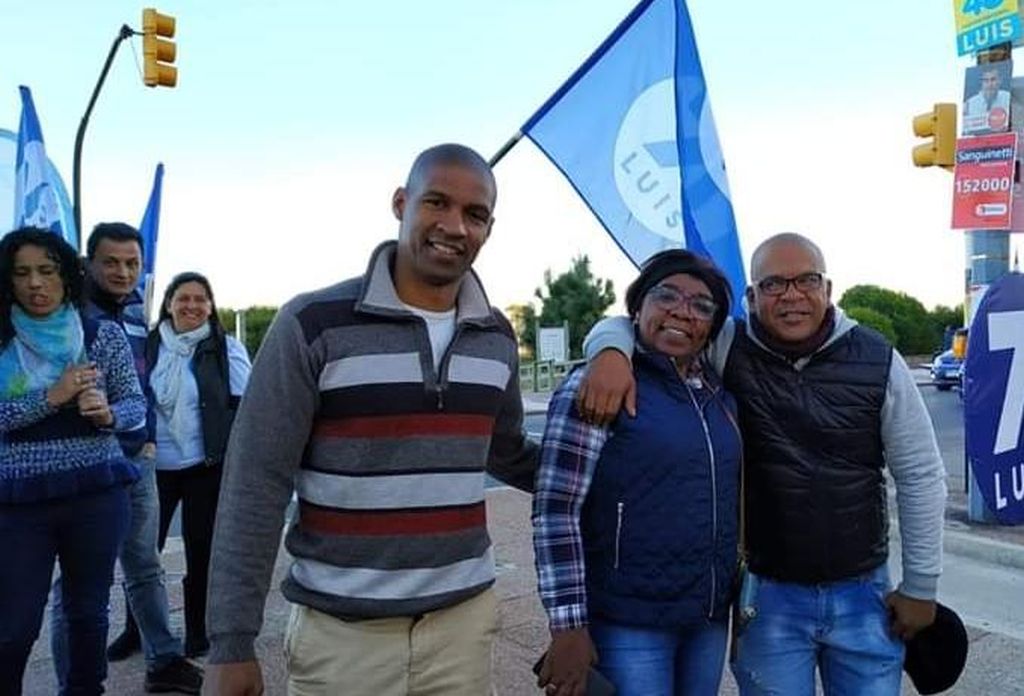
{"x": 381, "y": 401}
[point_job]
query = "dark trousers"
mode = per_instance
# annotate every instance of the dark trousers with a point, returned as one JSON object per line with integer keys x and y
{"x": 83, "y": 534}
{"x": 197, "y": 489}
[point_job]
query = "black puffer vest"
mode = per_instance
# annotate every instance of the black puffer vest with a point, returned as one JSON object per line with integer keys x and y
{"x": 816, "y": 499}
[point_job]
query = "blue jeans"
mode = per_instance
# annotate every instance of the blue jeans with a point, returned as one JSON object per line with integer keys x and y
{"x": 83, "y": 534}
{"x": 659, "y": 662}
{"x": 842, "y": 628}
{"x": 143, "y": 580}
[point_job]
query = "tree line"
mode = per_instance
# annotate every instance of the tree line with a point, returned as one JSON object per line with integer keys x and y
{"x": 257, "y": 321}
{"x": 580, "y": 299}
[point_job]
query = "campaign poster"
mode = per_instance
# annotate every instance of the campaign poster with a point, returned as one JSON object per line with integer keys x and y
{"x": 983, "y": 182}
{"x": 994, "y": 398}
{"x": 986, "y": 106}
{"x": 1017, "y": 126}
{"x": 982, "y": 24}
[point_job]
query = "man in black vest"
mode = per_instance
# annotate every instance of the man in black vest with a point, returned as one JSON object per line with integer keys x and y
{"x": 825, "y": 405}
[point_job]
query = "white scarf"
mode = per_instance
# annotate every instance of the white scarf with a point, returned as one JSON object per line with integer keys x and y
{"x": 171, "y": 369}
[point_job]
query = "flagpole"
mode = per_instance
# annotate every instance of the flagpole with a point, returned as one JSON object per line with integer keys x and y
{"x": 125, "y": 32}
{"x": 505, "y": 148}
{"x": 598, "y": 53}
{"x": 567, "y": 85}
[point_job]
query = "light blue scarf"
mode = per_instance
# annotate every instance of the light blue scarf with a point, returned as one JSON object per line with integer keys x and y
{"x": 40, "y": 350}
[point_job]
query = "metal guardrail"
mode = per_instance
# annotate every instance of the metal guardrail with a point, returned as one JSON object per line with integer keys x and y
{"x": 545, "y": 375}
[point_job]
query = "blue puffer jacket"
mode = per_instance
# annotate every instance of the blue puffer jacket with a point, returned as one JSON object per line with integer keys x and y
{"x": 660, "y": 521}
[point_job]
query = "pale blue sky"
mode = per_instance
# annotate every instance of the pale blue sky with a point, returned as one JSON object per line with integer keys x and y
{"x": 294, "y": 121}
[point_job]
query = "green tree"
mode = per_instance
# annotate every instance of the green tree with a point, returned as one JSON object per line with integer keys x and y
{"x": 524, "y": 322}
{"x": 914, "y": 329}
{"x": 875, "y": 319}
{"x": 942, "y": 317}
{"x": 576, "y": 297}
{"x": 257, "y": 321}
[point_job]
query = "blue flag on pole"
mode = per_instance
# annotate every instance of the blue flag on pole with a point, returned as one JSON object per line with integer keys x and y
{"x": 35, "y": 193}
{"x": 632, "y": 131}
{"x": 149, "y": 228}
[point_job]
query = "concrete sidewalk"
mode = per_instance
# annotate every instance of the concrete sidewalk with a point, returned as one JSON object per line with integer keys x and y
{"x": 993, "y": 668}
{"x": 523, "y": 635}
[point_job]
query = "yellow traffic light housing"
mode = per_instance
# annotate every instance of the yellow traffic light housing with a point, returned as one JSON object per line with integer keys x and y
{"x": 158, "y": 52}
{"x": 940, "y": 126}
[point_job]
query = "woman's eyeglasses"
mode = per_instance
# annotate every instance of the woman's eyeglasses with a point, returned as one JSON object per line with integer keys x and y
{"x": 667, "y": 298}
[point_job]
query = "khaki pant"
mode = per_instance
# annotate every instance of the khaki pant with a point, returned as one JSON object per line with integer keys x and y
{"x": 442, "y": 653}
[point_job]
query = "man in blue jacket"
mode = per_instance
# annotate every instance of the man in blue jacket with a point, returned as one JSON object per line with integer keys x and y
{"x": 825, "y": 406}
{"x": 114, "y": 263}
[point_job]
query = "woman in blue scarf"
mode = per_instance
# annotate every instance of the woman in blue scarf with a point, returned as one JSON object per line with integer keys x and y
{"x": 65, "y": 388}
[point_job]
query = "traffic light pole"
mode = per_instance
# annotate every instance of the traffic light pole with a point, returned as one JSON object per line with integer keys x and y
{"x": 125, "y": 32}
{"x": 987, "y": 258}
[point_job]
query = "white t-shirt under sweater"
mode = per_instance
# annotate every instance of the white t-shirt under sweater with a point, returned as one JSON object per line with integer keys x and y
{"x": 441, "y": 327}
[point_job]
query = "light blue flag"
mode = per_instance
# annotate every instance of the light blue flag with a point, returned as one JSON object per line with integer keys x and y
{"x": 149, "y": 228}
{"x": 36, "y": 192}
{"x": 632, "y": 131}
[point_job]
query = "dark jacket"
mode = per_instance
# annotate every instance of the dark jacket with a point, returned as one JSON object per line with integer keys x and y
{"x": 659, "y": 524}
{"x": 816, "y": 498}
{"x": 217, "y": 406}
{"x": 129, "y": 314}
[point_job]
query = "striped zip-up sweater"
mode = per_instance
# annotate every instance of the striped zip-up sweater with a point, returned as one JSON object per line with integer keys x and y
{"x": 386, "y": 454}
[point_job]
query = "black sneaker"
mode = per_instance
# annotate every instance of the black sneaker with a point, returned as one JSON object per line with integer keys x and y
{"x": 126, "y": 644}
{"x": 178, "y": 675}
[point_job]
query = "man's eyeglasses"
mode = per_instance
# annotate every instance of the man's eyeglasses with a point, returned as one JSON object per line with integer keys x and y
{"x": 805, "y": 282}
{"x": 667, "y": 298}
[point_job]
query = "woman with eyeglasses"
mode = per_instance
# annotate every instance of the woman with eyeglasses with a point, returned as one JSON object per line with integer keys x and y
{"x": 635, "y": 524}
{"x": 66, "y": 385}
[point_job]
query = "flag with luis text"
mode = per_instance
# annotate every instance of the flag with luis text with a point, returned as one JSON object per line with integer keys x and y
{"x": 632, "y": 131}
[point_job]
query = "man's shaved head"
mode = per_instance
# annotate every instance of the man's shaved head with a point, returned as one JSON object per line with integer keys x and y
{"x": 785, "y": 238}
{"x": 450, "y": 154}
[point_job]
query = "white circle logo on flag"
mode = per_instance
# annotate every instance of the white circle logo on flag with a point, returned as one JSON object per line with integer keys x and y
{"x": 647, "y": 173}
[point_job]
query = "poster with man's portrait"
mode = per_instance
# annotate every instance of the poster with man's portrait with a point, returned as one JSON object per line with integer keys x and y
{"x": 986, "y": 107}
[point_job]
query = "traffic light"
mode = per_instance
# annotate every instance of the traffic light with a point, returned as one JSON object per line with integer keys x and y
{"x": 940, "y": 126}
{"x": 158, "y": 53}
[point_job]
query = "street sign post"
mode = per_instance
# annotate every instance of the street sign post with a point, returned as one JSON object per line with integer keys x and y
{"x": 994, "y": 399}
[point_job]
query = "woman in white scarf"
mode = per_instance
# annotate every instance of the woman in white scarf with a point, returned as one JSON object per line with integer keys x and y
{"x": 196, "y": 375}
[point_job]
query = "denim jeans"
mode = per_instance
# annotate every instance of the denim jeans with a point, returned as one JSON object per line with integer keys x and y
{"x": 143, "y": 579}
{"x": 83, "y": 534}
{"x": 842, "y": 628}
{"x": 659, "y": 662}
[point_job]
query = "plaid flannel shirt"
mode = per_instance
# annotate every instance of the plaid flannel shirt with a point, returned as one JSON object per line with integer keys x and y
{"x": 569, "y": 454}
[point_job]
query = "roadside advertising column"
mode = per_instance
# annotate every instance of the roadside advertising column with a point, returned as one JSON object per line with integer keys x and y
{"x": 987, "y": 193}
